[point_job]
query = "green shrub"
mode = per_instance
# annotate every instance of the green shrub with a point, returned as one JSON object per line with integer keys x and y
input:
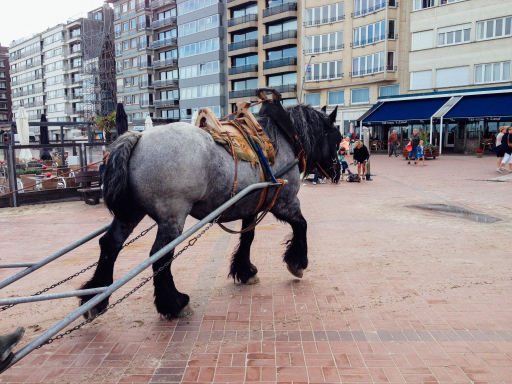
{"x": 30, "y": 171}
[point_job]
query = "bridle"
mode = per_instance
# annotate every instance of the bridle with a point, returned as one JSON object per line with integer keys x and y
{"x": 334, "y": 163}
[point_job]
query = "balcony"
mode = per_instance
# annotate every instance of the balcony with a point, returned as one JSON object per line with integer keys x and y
{"x": 331, "y": 48}
{"x": 119, "y": 33}
{"x": 329, "y": 20}
{"x": 159, "y": 3}
{"x": 74, "y": 35}
{"x": 27, "y": 79}
{"x": 24, "y": 67}
{"x": 280, "y": 63}
{"x": 145, "y": 84}
{"x": 243, "y": 44}
{"x": 117, "y": 15}
{"x": 165, "y": 83}
{"x": 28, "y": 52}
{"x": 392, "y": 36}
{"x": 370, "y": 40}
{"x": 167, "y": 103}
{"x": 366, "y": 11}
{"x": 391, "y": 68}
{"x": 143, "y": 26}
{"x": 279, "y": 9}
{"x": 75, "y": 49}
{"x": 242, "y": 93}
{"x": 140, "y": 5}
{"x": 243, "y": 69}
{"x": 74, "y": 111}
{"x": 165, "y": 42}
{"x": 165, "y": 63}
{"x": 162, "y": 22}
{"x": 28, "y": 92}
{"x": 291, "y": 34}
{"x": 324, "y": 77}
{"x": 366, "y": 72}
{"x": 285, "y": 88}
{"x": 242, "y": 19}
{"x": 146, "y": 103}
{"x": 145, "y": 65}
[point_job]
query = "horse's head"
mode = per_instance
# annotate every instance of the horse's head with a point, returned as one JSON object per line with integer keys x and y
{"x": 331, "y": 139}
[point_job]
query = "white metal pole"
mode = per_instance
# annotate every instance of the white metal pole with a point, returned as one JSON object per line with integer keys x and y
{"x": 441, "y": 136}
{"x": 431, "y": 130}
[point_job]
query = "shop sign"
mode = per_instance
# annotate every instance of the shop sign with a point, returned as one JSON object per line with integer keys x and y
{"x": 138, "y": 128}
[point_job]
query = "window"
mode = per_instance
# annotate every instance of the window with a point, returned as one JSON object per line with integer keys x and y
{"x": 124, "y": 7}
{"x": 247, "y": 60}
{"x": 421, "y": 80}
{"x": 169, "y": 95}
{"x": 134, "y": 43}
{"x": 133, "y": 23}
{"x": 367, "y": 65}
{"x": 452, "y": 77}
{"x": 494, "y": 29}
{"x": 324, "y": 15}
{"x": 200, "y": 47}
{"x": 422, "y": 4}
{"x": 389, "y": 90}
{"x": 127, "y": 82}
{"x": 290, "y": 25}
{"x": 167, "y": 14}
{"x": 287, "y": 79}
{"x": 136, "y": 99}
{"x": 249, "y": 10}
{"x": 282, "y": 53}
{"x": 135, "y": 81}
{"x": 134, "y": 61}
{"x": 313, "y": 99}
{"x": 199, "y": 70}
{"x": 126, "y": 64}
{"x": 118, "y": 48}
{"x": 363, "y": 7}
{"x": 169, "y": 75}
{"x": 125, "y": 27}
{"x": 193, "y": 5}
{"x": 199, "y": 25}
{"x": 325, "y": 71}
{"x": 369, "y": 34}
{"x": 77, "y": 62}
{"x": 167, "y": 34}
{"x": 118, "y": 30}
{"x": 457, "y": 34}
{"x": 361, "y": 95}
{"x": 492, "y": 73}
{"x": 422, "y": 40}
{"x": 200, "y": 91}
{"x": 336, "y": 98}
{"x": 324, "y": 43}
{"x": 171, "y": 114}
{"x": 242, "y": 85}
{"x": 132, "y": 4}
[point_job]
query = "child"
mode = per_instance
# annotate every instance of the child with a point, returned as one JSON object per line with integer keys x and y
{"x": 420, "y": 154}
{"x": 341, "y": 154}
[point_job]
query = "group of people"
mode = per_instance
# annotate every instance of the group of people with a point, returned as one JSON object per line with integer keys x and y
{"x": 415, "y": 147}
{"x": 504, "y": 149}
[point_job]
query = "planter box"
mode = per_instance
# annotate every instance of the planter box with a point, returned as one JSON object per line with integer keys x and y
{"x": 428, "y": 153}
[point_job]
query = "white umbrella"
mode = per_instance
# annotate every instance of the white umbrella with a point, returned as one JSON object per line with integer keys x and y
{"x": 148, "y": 123}
{"x": 23, "y": 134}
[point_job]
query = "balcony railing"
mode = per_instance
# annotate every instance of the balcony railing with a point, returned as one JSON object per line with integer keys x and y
{"x": 117, "y": 15}
{"x": 291, "y": 34}
{"x": 140, "y": 5}
{"x": 329, "y": 20}
{"x": 243, "y": 44}
{"x": 146, "y": 103}
{"x": 279, "y": 9}
{"x": 368, "y": 10}
{"x": 145, "y": 65}
{"x": 27, "y": 79}
{"x": 391, "y": 68}
{"x": 166, "y": 103}
{"x": 74, "y": 111}
{"x": 119, "y": 33}
{"x": 75, "y": 49}
{"x": 324, "y": 77}
{"x": 370, "y": 40}
{"x": 164, "y": 42}
{"x": 330, "y": 48}
{"x": 28, "y": 92}
{"x": 280, "y": 62}
{"x": 365, "y": 72}
{"x": 392, "y": 36}
{"x": 165, "y": 83}
{"x": 243, "y": 69}
{"x": 146, "y": 84}
{"x": 24, "y": 67}
{"x": 165, "y": 63}
{"x": 242, "y": 19}
{"x": 159, "y": 3}
{"x": 74, "y": 35}
{"x": 143, "y": 25}
{"x": 242, "y": 93}
{"x": 28, "y": 52}
{"x": 286, "y": 88}
{"x": 162, "y": 22}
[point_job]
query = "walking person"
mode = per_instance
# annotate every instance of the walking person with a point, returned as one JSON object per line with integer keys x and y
{"x": 500, "y": 153}
{"x": 392, "y": 143}
{"x": 361, "y": 156}
{"x": 506, "y": 147}
{"x": 346, "y": 145}
{"x": 420, "y": 154}
{"x": 415, "y": 141}
{"x": 342, "y": 152}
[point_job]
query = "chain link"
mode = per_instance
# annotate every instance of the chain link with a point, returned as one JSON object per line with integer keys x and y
{"x": 191, "y": 243}
{"x": 143, "y": 233}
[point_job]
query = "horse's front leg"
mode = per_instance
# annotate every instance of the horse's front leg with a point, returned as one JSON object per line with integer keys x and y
{"x": 296, "y": 255}
{"x": 111, "y": 244}
{"x": 241, "y": 267}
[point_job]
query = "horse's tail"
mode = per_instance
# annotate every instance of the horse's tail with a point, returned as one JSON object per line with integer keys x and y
{"x": 115, "y": 178}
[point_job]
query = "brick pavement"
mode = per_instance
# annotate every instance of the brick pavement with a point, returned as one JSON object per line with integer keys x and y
{"x": 392, "y": 294}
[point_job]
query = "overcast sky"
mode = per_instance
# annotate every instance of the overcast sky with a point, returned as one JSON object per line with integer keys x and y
{"x": 22, "y": 18}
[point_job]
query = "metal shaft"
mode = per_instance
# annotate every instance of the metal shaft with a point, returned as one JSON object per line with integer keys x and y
{"x": 130, "y": 275}
{"x": 52, "y": 257}
{"x": 52, "y": 296}
{"x": 17, "y": 265}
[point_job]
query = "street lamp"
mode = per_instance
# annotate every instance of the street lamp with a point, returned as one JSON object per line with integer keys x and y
{"x": 304, "y": 78}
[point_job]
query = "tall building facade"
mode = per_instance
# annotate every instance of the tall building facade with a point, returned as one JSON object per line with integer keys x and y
{"x": 5, "y": 85}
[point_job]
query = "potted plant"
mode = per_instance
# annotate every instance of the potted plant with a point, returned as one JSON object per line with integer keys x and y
{"x": 106, "y": 124}
{"x": 479, "y": 153}
{"x": 431, "y": 151}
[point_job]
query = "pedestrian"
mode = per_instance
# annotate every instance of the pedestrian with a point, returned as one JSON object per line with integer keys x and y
{"x": 319, "y": 177}
{"x": 392, "y": 143}
{"x": 415, "y": 141}
{"x": 500, "y": 154}
{"x": 346, "y": 145}
{"x": 342, "y": 152}
{"x": 506, "y": 147}
{"x": 420, "y": 154}
{"x": 361, "y": 156}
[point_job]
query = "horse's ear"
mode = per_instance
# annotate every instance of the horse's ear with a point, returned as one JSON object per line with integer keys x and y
{"x": 332, "y": 116}
{"x": 324, "y": 109}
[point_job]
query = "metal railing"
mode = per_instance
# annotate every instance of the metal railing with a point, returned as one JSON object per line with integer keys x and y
{"x": 28, "y": 92}
{"x": 370, "y": 40}
{"x": 159, "y": 3}
{"x": 243, "y": 69}
{"x": 74, "y": 35}
{"x": 165, "y": 62}
{"x": 117, "y": 15}
{"x": 331, "y": 48}
{"x": 28, "y": 52}
{"x": 242, "y": 19}
{"x": 166, "y": 82}
{"x": 242, "y": 93}
{"x": 391, "y": 68}
{"x": 162, "y": 22}
{"x": 24, "y": 67}
{"x": 329, "y": 20}
{"x": 75, "y": 49}
{"x": 140, "y": 5}
{"x": 164, "y": 42}
{"x": 324, "y": 77}
{"x": 27, "y": 79}
{"x": 146, "y": 103}
{"x": 368, "y": 10}
{"x": 166, "y": 103}
{"x": 279, "y": 9}
{"x": 243, "y": 44}
{"x": 392, "y": 36}
{"x": 286, "y": 88}
{"x": 291, "y": 34}
{"x": 145, "y": 65}
{"x": 279, "y": 62}
{"x": 143, "y": 25}
{"x": 118, "y": 33}
{"x": 369, "y": 71}
{"x": 145, "y": 84}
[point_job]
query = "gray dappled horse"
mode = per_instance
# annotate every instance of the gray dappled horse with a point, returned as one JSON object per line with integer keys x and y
{"x": 178, "y": 170}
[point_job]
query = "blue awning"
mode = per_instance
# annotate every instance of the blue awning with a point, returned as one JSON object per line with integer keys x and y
{"x": 405, "y": 112}
{"x": 497, "y": 107}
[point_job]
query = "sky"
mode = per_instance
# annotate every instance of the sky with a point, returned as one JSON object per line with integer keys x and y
{"x": 37, "y": 16}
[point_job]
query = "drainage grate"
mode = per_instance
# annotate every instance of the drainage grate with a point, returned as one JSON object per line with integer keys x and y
{"x": 464, "y": 213}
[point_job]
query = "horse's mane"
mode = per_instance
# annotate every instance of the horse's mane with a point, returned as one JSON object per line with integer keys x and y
{"x": 309, "y": 124}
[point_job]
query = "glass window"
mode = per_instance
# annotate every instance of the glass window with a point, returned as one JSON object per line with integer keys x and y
{"x": 336, "y": 98}
{"x": 389, "y": 90}
{"x": 361, "y": 95}
{"x": 313, "y": 99}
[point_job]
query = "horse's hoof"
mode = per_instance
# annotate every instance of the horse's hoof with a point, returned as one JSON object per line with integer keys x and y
{"x": 185, "y": 312}
{"x": 253, "y": 280}
{"x": 90, "y": 313}
{"x": 295, "y": 272}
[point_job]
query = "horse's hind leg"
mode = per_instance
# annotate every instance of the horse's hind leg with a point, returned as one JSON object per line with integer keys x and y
{"x": 296, "y": 255}
{"x": 241, "y": 267}
{"x": 169, "y": 301}
{"x": 111, "y": 244}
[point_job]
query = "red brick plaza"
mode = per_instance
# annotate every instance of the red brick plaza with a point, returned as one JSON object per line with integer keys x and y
{"x": 392, "y": 294}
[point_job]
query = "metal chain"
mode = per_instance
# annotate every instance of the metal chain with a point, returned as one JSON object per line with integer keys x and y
{"x": 191, "y": 243}
{"x": 143, "y": 233}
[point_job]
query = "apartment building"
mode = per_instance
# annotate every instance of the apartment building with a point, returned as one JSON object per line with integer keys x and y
{"x": 264, "y": 49}
{"x": 5, "y": 85}
{"x": 352, "y": 55}
{"x": 458, "y": 79}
